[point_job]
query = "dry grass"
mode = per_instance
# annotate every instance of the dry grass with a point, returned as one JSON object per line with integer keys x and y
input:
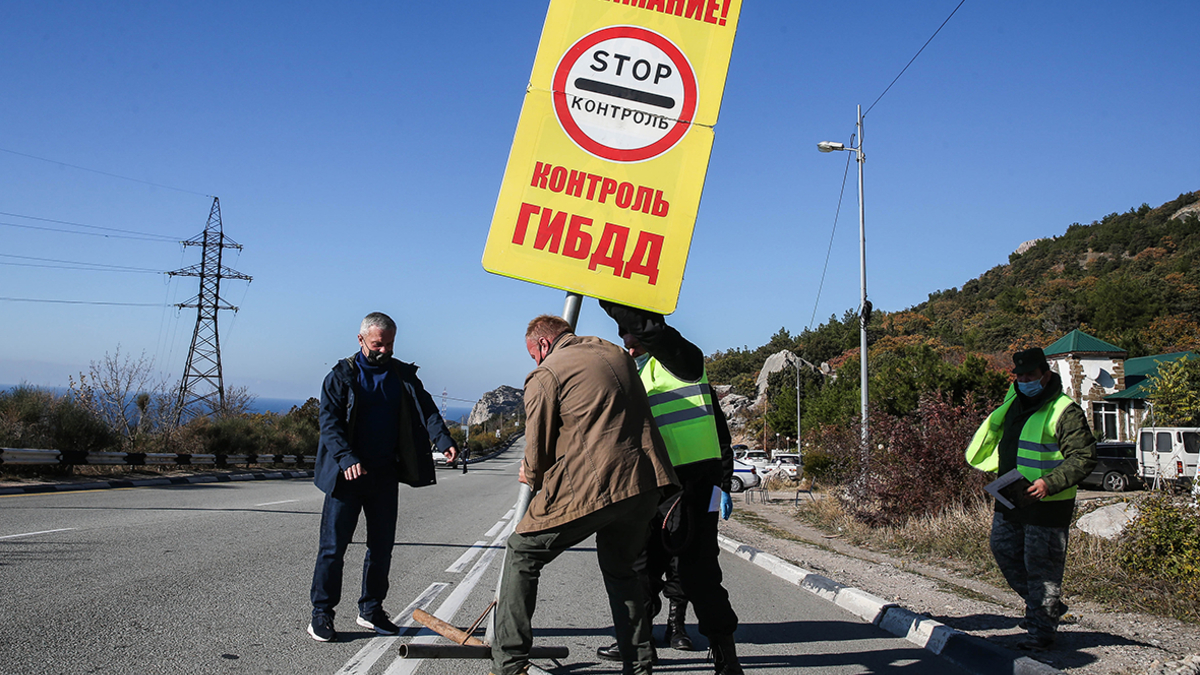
{"x": 958, "y": 539}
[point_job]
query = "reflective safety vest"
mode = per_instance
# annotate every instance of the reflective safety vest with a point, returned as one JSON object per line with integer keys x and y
{"x": 1037, "y": 449}
{"x": 683, "y": 412}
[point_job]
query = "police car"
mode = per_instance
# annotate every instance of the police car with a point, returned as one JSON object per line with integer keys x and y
{"x": 744, "y": 476}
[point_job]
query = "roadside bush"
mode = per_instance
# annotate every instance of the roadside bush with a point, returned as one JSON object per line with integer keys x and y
{"x": 1163, "y": 543}
{"x": 295, "y": 433}
{"x": 915, "y": 466}
{"x": 37, "y": 418}
{"x": 831, "y": 454}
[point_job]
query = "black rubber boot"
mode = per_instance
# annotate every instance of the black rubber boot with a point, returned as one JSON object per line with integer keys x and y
{"x": 676, "y": 636}
{"x": 725, "y": 661}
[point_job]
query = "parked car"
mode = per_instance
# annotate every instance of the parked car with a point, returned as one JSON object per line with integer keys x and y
{"x": 1169, "y": 453}
{"x": 744, "y": 476}
{"x": 787, "y": 462}
{"x": 739, "y": 450}
{"x": 1117, "y": 468}
{"x": 758, "y": 458}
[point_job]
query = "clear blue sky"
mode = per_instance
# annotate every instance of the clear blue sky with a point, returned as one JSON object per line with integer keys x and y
{"x": 357, "y": 150}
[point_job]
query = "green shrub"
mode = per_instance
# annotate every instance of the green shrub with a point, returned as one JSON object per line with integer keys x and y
{"x": 37, "y": 418}
{"x": 1163, "y": 542}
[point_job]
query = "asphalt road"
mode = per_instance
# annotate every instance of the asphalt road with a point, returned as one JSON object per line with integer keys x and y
{"x": 214, "y": 578}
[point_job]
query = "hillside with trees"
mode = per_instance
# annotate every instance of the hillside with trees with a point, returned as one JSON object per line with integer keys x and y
{"x": 1129, "y": 279}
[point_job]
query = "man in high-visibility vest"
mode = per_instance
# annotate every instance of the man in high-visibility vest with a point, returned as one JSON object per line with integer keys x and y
{"x": 684, "y": 408}
{"x": 1043, "y": 434}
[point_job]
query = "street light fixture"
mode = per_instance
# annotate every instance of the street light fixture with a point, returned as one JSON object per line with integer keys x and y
{"x": 864, "y": 307}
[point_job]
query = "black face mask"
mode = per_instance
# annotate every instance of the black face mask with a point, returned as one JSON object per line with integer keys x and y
{"x": 377, "y": 358}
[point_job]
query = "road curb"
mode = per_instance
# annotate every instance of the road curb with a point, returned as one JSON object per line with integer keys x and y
{"x": 968, "y": 652}
{"x": 149, "y": 482}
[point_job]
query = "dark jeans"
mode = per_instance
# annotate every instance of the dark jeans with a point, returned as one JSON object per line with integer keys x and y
{"x": 375, "y": 496}
{"x": 659, "y": 572}
{"x": 620, "y": 529}
{"x": 1032, "y": 558}
{"x": 691, "y": 546}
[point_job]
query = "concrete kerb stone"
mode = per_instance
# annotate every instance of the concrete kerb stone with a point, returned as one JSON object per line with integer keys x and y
{"x": 966, "y": 651}
{"x": 150, "y": 482}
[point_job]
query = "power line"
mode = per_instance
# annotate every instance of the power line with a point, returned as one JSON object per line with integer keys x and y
{"x": 914, "y": 58}
{"x": 90, "y": 234}
{"x": 91, "y": 267}
{"x": 85, "y": 302}
{"x": 91, "y": 227}
{"x": 829, "y": 252}
{"x": 78, "y": 269}
{"x": 104, "y": 173}
{"x": 842, "y": 193}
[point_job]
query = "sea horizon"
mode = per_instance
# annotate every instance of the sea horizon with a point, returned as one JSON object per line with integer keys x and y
{"x": 260, "y": 404}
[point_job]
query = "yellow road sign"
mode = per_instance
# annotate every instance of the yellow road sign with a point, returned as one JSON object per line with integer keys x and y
{"x": 608, "y": 162}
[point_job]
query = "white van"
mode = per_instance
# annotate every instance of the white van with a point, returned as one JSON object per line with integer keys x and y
{"x": 1170, "y": 453}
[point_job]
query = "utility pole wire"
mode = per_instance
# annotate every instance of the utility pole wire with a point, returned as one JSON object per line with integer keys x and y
{"x": 842, "y": 193}
{"x": 90, "y": 234}
{"x": 99, "y": 267}
{"x": 104, "y": 173}
{"x": 91, "y": 227}
{"x": 86, "y": 302}
{"x": 829, "y": 252}
{"x": 914, "y": 58}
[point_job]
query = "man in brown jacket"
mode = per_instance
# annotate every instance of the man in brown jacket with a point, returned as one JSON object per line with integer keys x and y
{"x": 599, "y": 466}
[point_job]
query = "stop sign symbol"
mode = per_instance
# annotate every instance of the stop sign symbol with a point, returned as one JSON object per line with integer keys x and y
{"x": 624, "y": 93}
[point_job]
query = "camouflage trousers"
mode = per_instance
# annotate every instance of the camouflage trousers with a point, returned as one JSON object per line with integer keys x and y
{"x": 1032, "y": 557}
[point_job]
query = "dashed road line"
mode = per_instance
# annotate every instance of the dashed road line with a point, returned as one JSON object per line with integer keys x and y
{"x": 286, "y": 501}
{"x": 33, "y": 534}
{"x": 468, "y": 555}
{"x": 361, "y": 663}
{"x": 365, "y": 659}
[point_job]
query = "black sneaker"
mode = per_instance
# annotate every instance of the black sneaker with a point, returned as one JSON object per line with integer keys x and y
{"x": 379, "y": 622}
{"x": 321, "y": 628}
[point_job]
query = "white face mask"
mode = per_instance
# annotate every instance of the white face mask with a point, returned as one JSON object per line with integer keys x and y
{"x": 641, "y": 360}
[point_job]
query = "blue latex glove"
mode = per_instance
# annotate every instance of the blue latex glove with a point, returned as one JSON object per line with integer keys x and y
{"x": 726, "y": 505}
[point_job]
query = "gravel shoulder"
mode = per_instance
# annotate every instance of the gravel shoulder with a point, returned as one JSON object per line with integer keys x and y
{"x": 1093, "y": 641}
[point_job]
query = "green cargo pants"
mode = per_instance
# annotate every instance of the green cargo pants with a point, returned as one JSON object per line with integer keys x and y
{"x": 621, "y": 530}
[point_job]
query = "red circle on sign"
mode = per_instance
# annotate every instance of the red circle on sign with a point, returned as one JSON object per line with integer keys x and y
{"x": 595, "y": 147}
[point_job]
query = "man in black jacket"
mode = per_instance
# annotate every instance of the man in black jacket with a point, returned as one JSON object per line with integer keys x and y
{"x": 697, "y": 438}
{"x": 377, "y": 422}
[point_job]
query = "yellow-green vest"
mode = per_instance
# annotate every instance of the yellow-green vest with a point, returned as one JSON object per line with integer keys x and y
{"x": 683, "y": 412}
{"x": 1037, "y": 449}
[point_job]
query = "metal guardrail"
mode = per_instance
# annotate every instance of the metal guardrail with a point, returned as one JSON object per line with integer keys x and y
{"x": 36, "y": 457}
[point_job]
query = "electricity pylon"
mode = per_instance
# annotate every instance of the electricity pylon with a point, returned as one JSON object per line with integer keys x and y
{"x": 203, "y": 389}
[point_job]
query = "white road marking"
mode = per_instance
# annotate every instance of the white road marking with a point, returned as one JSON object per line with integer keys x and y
{"x": 31, "y": 534}
{"x": 286, "y": 501}
{"x": 451, "y": 605}
{"x": 511, "y": 512}
{"x": 495, "y": 529}
{"x": 366, "y": 657}
{"x": 361, "y": 663}
{"x": 461, "y": 564}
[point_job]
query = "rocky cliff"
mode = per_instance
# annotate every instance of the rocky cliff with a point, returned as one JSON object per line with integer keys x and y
{"x": 503, "y": 400}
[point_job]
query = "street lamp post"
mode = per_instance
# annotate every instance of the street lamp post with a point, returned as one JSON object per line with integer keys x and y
{"x": 864, "y": 307}
{"x": 795, "y": 363}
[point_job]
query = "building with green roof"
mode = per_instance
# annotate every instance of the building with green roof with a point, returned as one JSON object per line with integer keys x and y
{"x": 1111, "y": 388}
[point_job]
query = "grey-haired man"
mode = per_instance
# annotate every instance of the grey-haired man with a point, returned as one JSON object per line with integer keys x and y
{"x": 377, "y": 423}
